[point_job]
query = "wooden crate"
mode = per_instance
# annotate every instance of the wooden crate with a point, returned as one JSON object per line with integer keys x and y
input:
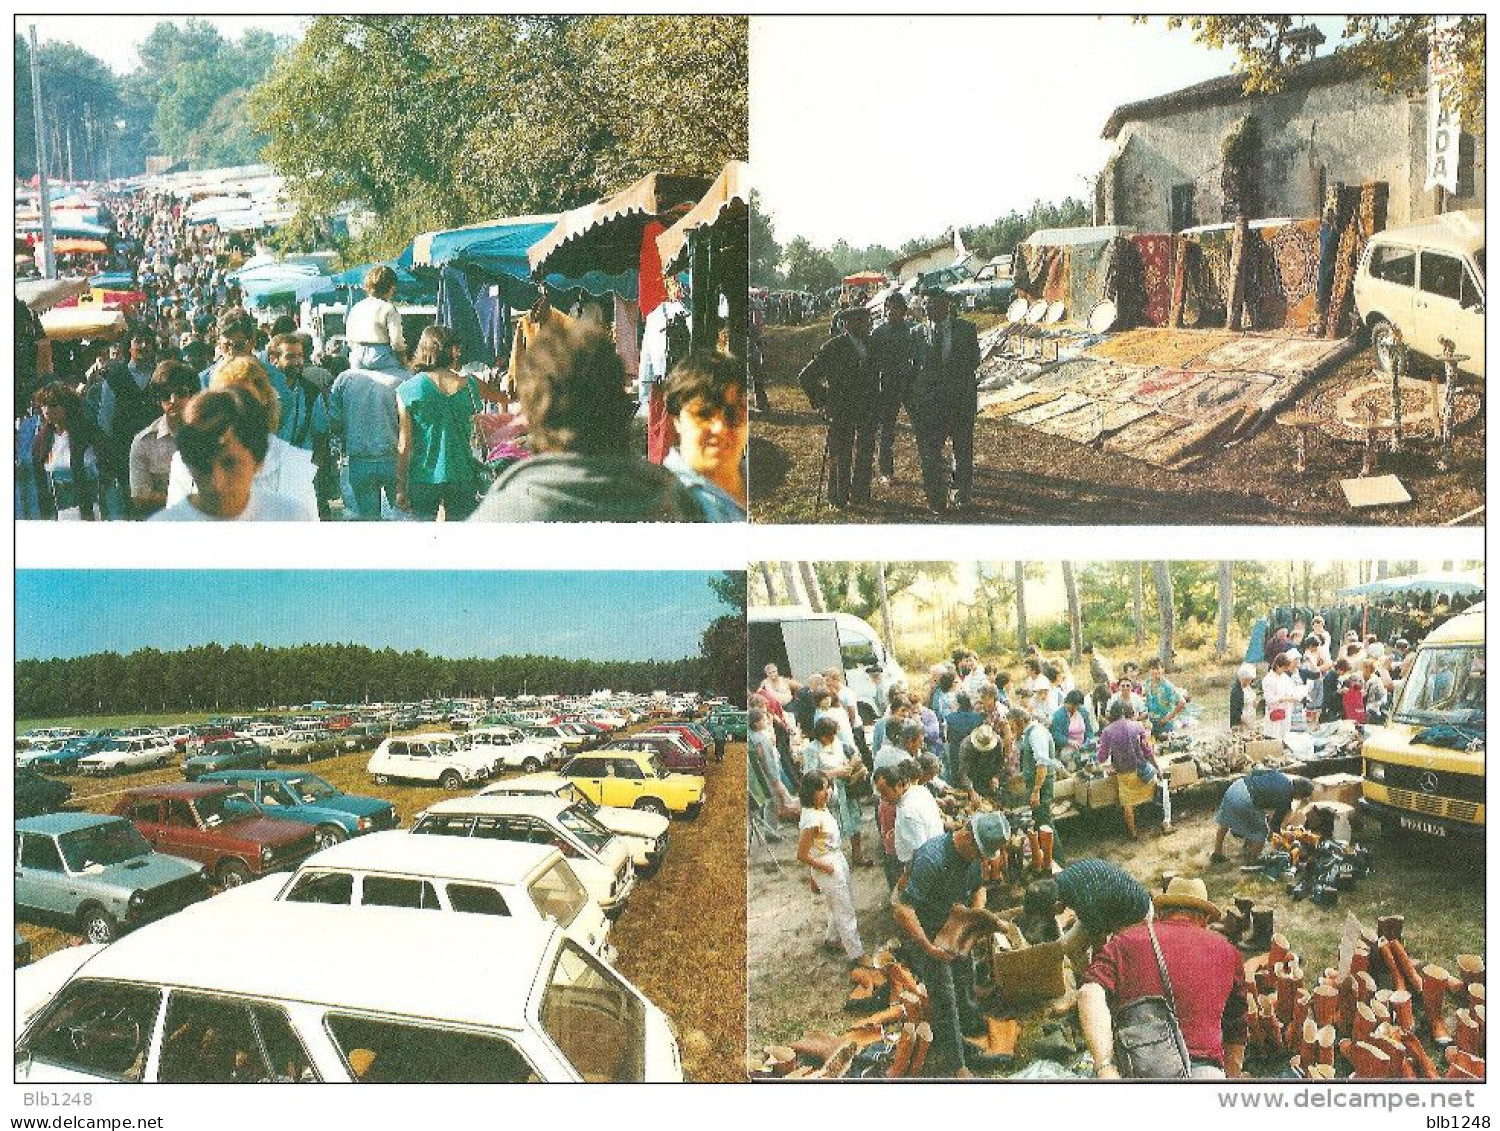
{"x": 1102, "y": 794}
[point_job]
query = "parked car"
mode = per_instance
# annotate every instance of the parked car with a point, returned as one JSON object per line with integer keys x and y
{"x": 733, "y": 724}
{"x": 98, "y": 874}
{"x": 65, "y": 759}
{"x": 122, "y": 755}
{"x": 671, "y": 750}
{"x": 647, "y": 834}
{"x": 295, "y": 795}
{"x": 348, "y": 1008}
{"x": 303, "y": 745}
{"x": 466, "y": 875}
{"x": 633, "y": 779}
{"x": 361, "y": 736}
{"x": 992, "y": 288}
{"x": 601, "y": 861}
{"x": 228, "y": 754}
{"x": 1428, "y": 281}
{"x": 557, "y": 732}
{"x": 219, "y": 827}
{"x": 204, "y": 733}
{"x": 178, "y": 735}
{"x": 36, "y": 794}
{"x": 511, "y": 749}
{"x": 39, "y": 748}
{"x": 430, "y": 758}
{"x": 39, "y": 733}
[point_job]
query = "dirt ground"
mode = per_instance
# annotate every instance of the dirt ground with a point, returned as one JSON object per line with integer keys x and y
{"x": 681, "y": 939}
{"x": 797, "y": 987}
{"x": 1024, "y": 476}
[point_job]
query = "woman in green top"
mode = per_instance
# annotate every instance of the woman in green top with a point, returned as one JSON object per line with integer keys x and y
{"x": 435, "y": 465}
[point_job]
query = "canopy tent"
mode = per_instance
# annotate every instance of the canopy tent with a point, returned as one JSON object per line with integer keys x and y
{"x": 497, "y": 251}
{"x": 1416, "y": 586}
{"x": 66, "y": 226}
{"x": 80, "y": 322}
{"x": 247, "y": 221}
{"x": 209, "y": 208}
{"x": 271, "y": 282}
{"x": 73, "y": 246}
{"x": 113, "y": 281}
{"x": 43, "y": 294}
{"x": 727, "y": 200}
{"x": 864, "y": 279}
{"x": 606, "y": 235}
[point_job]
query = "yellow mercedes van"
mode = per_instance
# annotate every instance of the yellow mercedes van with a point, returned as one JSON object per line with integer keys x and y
{"x": 1424, "y": 769}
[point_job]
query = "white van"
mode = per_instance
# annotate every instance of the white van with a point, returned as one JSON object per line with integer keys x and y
{"x": 801, "y": 643}
{"x": 1428, "y": 281}
{"x": 460, "y": 875}
{"x": 200, "y": 998}
{"x": 429, "y": 758}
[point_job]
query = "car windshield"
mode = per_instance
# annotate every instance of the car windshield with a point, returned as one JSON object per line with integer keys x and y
{"x": 594, "y": 1019}
{"x": 585, "y": 828}
{"x": 225, "y": 808}
{"x": 1446, "y": 685}
{"x": 111, "y": 843}
{"x": 310, "y": 789}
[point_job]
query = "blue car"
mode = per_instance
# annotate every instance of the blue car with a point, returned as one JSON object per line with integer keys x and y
{"x": 298, "y": 796}
{"x": 65, "y": 759}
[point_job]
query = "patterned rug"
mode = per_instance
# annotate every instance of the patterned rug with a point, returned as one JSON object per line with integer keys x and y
{"x": 1065, "y": 403}
{"x": 1154, "y": 253}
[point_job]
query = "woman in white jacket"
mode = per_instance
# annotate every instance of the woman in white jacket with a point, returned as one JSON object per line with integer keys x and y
{"x": 1284, "y": 693}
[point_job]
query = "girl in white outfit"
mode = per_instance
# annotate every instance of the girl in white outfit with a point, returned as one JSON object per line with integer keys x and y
{"x": 820, "y": 848}
{"x": 1284, "y": 693}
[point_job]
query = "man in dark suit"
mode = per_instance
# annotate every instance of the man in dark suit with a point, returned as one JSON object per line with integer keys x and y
{"x": 894, "y": 346}
{"x": 945, "y": 403}
{"x": 841, "y": 382}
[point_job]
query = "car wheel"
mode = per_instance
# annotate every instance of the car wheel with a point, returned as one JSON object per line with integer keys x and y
{"x": 329, "y": 835}
{"x": 232, "y": 873}
{"x": 382, "y": 779}
{"x": 652, "y": 805}
{"x": 1383, "y": 339}
{"x": 98, "y": 925}
{"x": 450, "y": 779}
{"x": 531, "y": 765}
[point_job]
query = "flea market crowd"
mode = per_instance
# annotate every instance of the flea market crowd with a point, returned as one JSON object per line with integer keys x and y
{"x": 960, "y": 773}
{"x": 198, "y": 409}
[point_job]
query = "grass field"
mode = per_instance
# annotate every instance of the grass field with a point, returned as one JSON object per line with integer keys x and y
{"x": 681, "y": 939}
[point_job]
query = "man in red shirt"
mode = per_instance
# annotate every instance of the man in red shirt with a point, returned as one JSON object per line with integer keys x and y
{"x": 1207, "y": 975}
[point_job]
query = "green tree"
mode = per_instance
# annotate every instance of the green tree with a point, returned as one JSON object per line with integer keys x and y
{"x": 808, "y": 268}
{"x": 765, "y": 252}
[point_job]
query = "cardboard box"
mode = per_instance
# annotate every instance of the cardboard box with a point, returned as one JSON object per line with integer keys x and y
{"x": 1064, "y": 789}
{"x": 1182, "y": 774}
{"x": 1259, "y": 749}
{"x": 1343, "y": 788}
{"x": 1102, "y": 793}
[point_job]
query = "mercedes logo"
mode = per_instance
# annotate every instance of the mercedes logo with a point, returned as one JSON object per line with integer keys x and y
{"x": 1429, "y": 782}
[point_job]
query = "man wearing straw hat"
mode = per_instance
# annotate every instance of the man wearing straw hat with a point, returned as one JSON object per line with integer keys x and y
{"x": 944, "y": 872}
{"x": 1207, "y": 975}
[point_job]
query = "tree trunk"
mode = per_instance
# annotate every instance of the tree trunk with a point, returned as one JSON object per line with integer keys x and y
{"x": 851, "y": 585}
{"x": 796, "y": 595}
{"x": 1075, "y": 615}
{"x": 1447, "y": 567}
{"x": 885, "y": 608}
{"x": 1382, "y": 570}
{"x": 1166, "y": 610}
{"x": 1021, "y": 641}
{"x": 766, "y": 576}
{"x": 1138, "y": 603}
{"x": 992, "y": 623}
{"x": 813, "y": 586}
{"x": 1226, "y": 607}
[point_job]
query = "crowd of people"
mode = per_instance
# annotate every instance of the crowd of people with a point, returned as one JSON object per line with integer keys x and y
{"x": 1310, "y": 679}
{"x": 372, "y": 427}
{"x": 950, "y": 768}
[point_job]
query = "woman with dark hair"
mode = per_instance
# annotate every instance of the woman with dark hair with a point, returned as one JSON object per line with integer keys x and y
{"x": 67, "y": 455}
{"x": 223, "y": 440}
{"x": 1073, "y": 727}
{"x": 820, "y": 847}
{"x": 435, "y": 465}
{"x": 706, "y": 399}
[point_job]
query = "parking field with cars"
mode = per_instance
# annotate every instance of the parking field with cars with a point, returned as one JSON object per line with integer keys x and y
{"x": 681, "y": 932}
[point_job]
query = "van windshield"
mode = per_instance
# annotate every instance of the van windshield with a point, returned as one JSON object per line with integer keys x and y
{"x": 1446, "y": 685}
{"x": 594, "y": 1019}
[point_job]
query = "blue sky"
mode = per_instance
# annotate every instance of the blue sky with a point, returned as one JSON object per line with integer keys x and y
{"x": 879, "y": 129}
{"x": 584, "y": 615}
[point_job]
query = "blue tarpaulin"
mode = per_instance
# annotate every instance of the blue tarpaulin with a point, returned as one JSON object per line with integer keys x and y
{"x": 1416, "y": 585}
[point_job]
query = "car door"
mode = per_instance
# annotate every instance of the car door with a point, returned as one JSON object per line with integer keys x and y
{"x": 179, "y": 834}
{"x": 627, "y": 783}
{"x": 1390, "y": 286}
{"x": 1438, "y": 306}
{"x": 145, "y": 814}
{"x": 591, "y": 776}
{"x": 41, "y": 881}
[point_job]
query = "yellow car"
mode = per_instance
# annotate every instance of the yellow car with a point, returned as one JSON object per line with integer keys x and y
{"x": 635, "y": 779}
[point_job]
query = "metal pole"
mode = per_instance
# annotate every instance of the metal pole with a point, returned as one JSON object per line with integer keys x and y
{"x": 49, "y": 262}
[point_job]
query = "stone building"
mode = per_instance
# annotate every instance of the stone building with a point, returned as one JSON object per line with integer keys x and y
{"x": 1326, "y": 126}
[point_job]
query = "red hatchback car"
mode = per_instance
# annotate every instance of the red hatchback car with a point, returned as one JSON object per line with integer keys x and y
{"x": 218, "y": 826}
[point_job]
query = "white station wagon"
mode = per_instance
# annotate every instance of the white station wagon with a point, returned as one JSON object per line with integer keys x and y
{"x": 418, "y": 999}
{"x": 602, "y": 861}
{"x": 511, "y": 749}
{"x": 430, "y": 758}
{"x": 125, "y": 754}
{"x": 462, "y": 875}
{"x": 644, "y": 832}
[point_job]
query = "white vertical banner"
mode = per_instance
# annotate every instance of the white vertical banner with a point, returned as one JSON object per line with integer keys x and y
{"x": 1442, "y": 110}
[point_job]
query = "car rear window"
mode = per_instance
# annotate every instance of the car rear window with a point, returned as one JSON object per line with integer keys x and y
{"x": 322, "y": 887}
{"x": 394, "y": 1052}
{"x": 599, "y": 1025}
{"x": 558, "y": 895}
